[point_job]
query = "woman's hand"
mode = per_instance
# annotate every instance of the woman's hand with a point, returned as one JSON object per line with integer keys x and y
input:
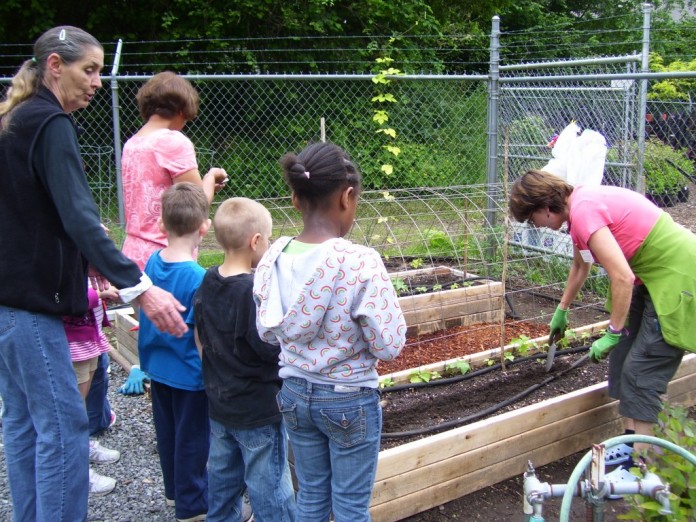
{"x": 110, "y": 294}
{"x": 164, "y": 310}
{"x": 220, "y": 177}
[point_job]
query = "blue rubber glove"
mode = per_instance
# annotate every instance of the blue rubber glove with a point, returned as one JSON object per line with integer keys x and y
{"x": 134, "y": 383}
{"x": 602, "y": 346}
{"x": 559, "y": 323}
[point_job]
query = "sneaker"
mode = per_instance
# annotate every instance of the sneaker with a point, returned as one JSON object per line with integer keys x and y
{"x": 99, "y": 484}
{"x": 620, "y": 474}
{"x": 192, "y": 519}
{"x": 112, "y": 420}
{"x": 247, "y": 513}
{"x": 101, "y": 455}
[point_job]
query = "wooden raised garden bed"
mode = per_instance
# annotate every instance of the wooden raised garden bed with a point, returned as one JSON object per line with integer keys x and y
{"x": 426, "y": 473}
{"x": 463, "y": 299}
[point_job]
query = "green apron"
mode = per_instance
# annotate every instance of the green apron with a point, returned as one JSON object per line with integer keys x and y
{"x": 666, "y": 263}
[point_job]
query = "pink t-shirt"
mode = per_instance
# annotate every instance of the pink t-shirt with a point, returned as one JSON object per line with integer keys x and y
{"x": 149, "y": 165}
{"x": 629, "y": 216}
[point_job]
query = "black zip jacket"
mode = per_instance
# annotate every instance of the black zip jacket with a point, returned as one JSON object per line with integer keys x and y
{"x": 49, "y": 224}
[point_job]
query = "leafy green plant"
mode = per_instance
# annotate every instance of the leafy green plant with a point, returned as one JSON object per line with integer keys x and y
{"x": 454, "y": 286}
{"x": 380, "y": 115}
{"x": 459, "y": 367}
{"x": 437, "y": 287}
{"x": 400, "y": 285}
{"x": 421, "y": 289}
{"x": 423, "y": 376}
{"x": 523, "y": 344}
{"x": 387, "y": 382}
{"x": 416, "y": 263}
{"x": 509, "y": 356}
{"x": 674, "y": 425}
{"x": 489, "y": 362}
{"x": 664, "y": 168}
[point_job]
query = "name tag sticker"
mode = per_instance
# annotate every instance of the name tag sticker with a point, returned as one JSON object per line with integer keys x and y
{"x": 586, "y": 256}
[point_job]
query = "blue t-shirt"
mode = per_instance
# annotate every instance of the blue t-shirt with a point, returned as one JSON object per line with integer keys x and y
{"x": 168, "y": 359}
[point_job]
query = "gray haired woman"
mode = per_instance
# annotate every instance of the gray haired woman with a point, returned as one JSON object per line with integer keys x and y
{"x": 52, "y": 240}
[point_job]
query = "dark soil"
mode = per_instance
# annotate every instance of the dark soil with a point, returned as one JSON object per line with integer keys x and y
{"x": 426, "y": 409}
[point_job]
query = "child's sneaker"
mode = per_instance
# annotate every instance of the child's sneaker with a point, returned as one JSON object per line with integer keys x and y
{"x": 99, "y": 484}
{"x": 101, "y": 455}
{"x": 247, "y": 513}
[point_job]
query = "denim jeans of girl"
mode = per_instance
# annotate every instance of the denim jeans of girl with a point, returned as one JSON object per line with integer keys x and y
{"x": 257, "y": 457}
{"x": 43, "y": 420}
{"x": 334, "y": 432}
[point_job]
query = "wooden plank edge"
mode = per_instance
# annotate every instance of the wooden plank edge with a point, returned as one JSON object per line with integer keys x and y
{"x": 429, "y": 497}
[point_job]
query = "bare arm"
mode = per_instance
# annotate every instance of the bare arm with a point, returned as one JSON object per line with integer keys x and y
{"x": 212, "y": 182}
{"x": 576, "y": 278}
{"x": 621, "y": 277}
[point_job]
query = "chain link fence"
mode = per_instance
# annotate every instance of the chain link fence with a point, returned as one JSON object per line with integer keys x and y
{"x": 246, "y": 124}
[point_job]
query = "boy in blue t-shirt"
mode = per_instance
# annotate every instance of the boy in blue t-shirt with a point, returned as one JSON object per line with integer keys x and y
{"x": 179, "y": 402}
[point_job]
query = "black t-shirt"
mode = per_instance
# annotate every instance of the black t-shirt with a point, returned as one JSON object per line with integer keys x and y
{"x": 240, "y": 371}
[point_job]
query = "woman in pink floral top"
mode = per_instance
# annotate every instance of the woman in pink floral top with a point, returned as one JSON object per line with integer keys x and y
{"x": 157, "y": 157}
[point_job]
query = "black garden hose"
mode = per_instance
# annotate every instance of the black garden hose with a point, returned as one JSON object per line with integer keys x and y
{"x": 492, "y": 409}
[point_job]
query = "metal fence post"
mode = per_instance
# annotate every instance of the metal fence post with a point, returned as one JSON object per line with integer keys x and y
{"x": 642, "y": 110}
{"x": 115, "y": 110}
{"x": 493, "y": 96}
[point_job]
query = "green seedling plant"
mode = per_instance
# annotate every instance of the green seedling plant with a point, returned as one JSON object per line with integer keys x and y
{"x": 459, "y": 367}
{"x": 400, "y": 286}
{"x": 454, "y": 286}
{"x": 387, "y": 382}
{"x": 437, "y": 287}
{"x": 423, "y": 376}
{"x": 416, "y": 263}
{"x": 674, "y": 425}
{"x": 509, "y": 356}
{"x": 523, "y": 344}
{"x": 421, "y": 289}
{"x": 489, "y": 362}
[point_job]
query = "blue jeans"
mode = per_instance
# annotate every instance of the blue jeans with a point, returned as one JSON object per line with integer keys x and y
{"x": 98, "y": 406}
{"x": 43, "y": 420}
{"x": 183, "y": 439}
{"x": 335, "y": 439}
{"x": 257, "y": 457}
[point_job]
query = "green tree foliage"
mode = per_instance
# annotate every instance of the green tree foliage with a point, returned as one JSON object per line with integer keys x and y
{"x": 673, "y": 88}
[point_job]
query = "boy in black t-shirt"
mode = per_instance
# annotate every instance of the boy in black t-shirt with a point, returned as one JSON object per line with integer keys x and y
{"x": 248, "y": 443}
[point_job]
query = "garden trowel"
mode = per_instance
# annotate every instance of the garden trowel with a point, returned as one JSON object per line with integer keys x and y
{"x": 553, "y": 339}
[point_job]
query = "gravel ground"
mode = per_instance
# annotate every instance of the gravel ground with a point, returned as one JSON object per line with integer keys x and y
{"x": 139, "y": 493}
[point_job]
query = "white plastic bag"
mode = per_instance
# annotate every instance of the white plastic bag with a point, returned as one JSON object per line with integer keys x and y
{"x": 578, "y": 157}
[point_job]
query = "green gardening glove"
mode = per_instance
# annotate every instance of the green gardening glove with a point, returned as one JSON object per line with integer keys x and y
{"x": 559, "y": 322}
{"x": 602, "y": 346}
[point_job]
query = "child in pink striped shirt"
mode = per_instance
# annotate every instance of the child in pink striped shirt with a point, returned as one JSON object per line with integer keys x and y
{"x": 87, "y": 342}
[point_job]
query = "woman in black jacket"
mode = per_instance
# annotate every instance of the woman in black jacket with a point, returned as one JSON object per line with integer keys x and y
{"x": 52, "y": 239}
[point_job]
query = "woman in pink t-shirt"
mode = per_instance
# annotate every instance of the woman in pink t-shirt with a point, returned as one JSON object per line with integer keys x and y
{"x": 157, "y": 157}
{"x": 648, "y": 259}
